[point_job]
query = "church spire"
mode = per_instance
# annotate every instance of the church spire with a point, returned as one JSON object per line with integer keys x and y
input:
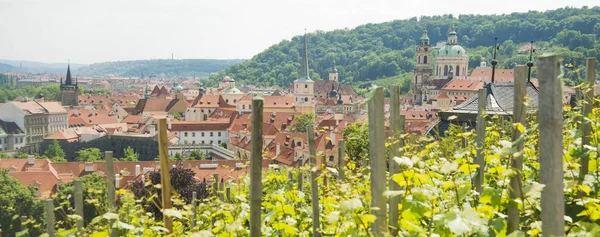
{"x": 147, "y": 94}
{"x": 69, "y": 80}
{"x": 304, "y": 72}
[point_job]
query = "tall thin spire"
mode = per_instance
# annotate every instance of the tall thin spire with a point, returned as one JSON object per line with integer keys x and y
{"x": 69, "y": 80}
{"x": 530, "y": 62}
{"x": 304, "y": 72}
{"x": 147, "y": 94}
{"x": 494, "y": 61}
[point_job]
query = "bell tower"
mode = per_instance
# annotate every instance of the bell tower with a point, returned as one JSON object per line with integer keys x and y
{"x": 423, "y": 71}
{"x": 304, "y": 95}
{"x": 68, "y": 90}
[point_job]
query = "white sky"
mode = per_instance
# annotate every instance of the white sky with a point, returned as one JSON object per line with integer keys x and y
{"x": 86, "y": 31}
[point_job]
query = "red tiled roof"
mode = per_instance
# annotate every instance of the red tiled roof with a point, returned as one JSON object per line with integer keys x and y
{"x": 485, "y": 75}
{"x": 199, "y": 125}
{"x": 463, "y": 85}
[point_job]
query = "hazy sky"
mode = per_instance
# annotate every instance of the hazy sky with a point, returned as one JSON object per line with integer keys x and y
{"x": 85, "y": 31}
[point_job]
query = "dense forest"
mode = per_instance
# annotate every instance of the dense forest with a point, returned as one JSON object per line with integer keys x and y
{"x": 158, "y": 68}
{"x": 377, "y": 51}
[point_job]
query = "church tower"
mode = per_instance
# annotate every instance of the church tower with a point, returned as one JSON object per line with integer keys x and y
{"x": 333, "y": 75}
{"x": 423, "y": 71}
{"x": 68, "y": 90}
{"x": 304, "y": 86}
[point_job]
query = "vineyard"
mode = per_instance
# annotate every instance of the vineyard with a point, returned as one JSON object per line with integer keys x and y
{"x": 408, "y": 185}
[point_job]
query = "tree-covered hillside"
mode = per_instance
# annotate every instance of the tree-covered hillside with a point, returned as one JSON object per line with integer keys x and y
{"x": 158, "y": 68}
{"x": 374, "y": 51}
{"x": 7, "y": 68}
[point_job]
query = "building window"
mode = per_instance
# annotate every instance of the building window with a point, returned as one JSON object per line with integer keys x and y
{"x": 193, "y": 134}
{"x": 446, "y": 70}
{"x": 185, "y": 134}
{"x": 425, "y": 58}
{"x": 211, "y": 134}
{"x": 243, "y": 106}
{"x": 202, "y": 134}
{"x": 305, "y": 86}
{"x": 211, "y": 141}
{"x": 457, "y": 71}
{"x": 419, "y": 59}
{"x": 330, "y": 158}
{"x": 219, "y": 134}
{"x": 219, "y": 142}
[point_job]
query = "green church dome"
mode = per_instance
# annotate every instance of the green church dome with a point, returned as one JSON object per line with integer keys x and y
{"x": 452, "y": 50}
{"x": 232, "y": 90}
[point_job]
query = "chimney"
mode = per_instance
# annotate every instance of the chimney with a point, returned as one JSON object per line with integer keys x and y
{"x": 332, "y": 136}
{"x": 88, "y": 166}
{"x": 31, "y": 160}
{"x": 117, "y": 180}
{"x": 137, "y": 170}
{"x": 277, "y": 149}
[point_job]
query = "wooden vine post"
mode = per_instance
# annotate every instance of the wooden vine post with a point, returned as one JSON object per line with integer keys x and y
{"x": 396, "y": 130}
{"x": 222, "y": 190}
{"x": 341, "y": 161}
{"x": 586, "y": 126}
{"x": 165, "y": 177}
{"x": 256, "y": 167}
{"x": 378, "y": 162}
{"x": 551, "y": 146}
{"x": 300, "y": 176}
{"x": 110, "y": 189}
{"x": 290, "y": 180}
{"x": 519, "y": 113}
{"x": 480, "y": 130}
{"x": 194, "y": 207}
{"x": 314, "y": 188}
{"x": 228, "y": 194}
{"x": 79, "y": 204}
{"x": 50, "y": 217}
{"x": 215, "y": 184}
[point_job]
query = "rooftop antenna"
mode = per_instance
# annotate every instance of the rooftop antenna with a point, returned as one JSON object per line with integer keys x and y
{"x": 530, "y": 63}
{"x": 494, "y": 61}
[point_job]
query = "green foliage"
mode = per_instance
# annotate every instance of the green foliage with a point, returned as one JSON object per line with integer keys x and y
{"x": 89, "y": 155}
{"x": 177, "y": 116}
{"x": 50, "y": 92}
{"x": 130, "y": 155}
{"x": 94, "y": 200}
{"x": 147, "y": 149}
{"x": 20, "y": 155}
{"x": 17, "y": 200}
{"x": 55, "y": 152}
{"x": 158, "y": 67}
{"x": 357, "y": 140}
{"x": 301, "y": 121}
{"x": 437, "y": 197}
{"x": 196, "y": 154}
{"x": 374, "y": 51}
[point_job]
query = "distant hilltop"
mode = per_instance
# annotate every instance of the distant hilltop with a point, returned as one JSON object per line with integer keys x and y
{"x": 135, "y": 68}
{"x": 36, "y": 67}
{"x": 158, "y": 68}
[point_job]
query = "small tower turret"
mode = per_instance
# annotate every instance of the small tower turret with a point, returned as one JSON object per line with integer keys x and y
{"x": 333, "y": 74}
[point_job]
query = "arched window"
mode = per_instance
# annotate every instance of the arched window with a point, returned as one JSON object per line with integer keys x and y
{"x": 306, "y": 86}
{"x": 457, "y": 71}
{"x": 446, "y": 70}
{"x": 424, "y": 59}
